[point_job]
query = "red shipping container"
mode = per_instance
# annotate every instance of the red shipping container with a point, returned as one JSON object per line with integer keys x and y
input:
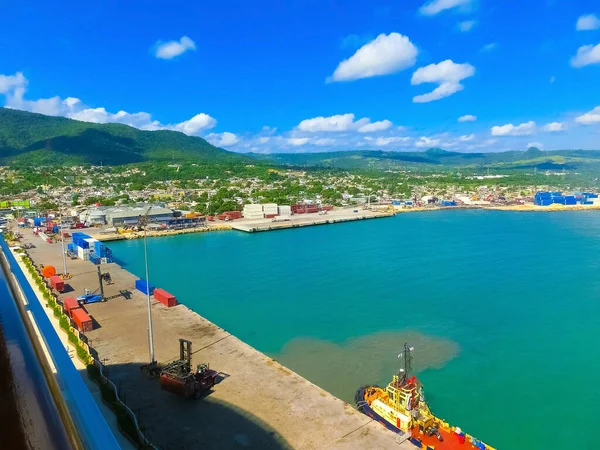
{"x": 70, "y": 303}
{"x": 270, "y": 216}
{"x": 57, "y": 283}
{"x": 81, "y": 318}
{"x": 165, "y": 298}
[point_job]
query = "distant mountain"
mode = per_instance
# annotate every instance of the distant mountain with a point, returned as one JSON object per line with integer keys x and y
{"x": 36, "y": 139}
{"x": 436, "y": 158}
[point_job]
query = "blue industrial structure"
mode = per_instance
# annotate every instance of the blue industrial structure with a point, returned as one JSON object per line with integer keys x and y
{"x": 549, "y": 198}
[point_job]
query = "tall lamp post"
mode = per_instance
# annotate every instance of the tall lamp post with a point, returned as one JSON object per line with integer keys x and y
{"x": 143, "y": 220}
{"x": 64, "y": 254}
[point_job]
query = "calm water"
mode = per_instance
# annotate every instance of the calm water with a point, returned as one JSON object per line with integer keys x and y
{"x": 503, "y": 309}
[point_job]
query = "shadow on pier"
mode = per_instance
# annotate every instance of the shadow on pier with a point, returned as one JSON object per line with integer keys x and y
{"x": 171, "y": 422}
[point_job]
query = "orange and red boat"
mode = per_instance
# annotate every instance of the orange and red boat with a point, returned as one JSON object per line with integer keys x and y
{"x": 401, "y": 407}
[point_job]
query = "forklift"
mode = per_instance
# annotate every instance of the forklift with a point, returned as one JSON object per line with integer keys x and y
{"x": 177, "y": 377}
{"x": 94, "y": 296}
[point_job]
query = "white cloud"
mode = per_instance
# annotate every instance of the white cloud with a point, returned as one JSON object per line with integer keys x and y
{"x": 264, "y": 139}
{"x": 325, "y": 141}
{"x": 298, "y": 141}
{"x": 447, "y": 74}
{"x": 339, "y": 122}
{"x": 589, "y": 118}
{"x": 536, "y": 145}
{"x": 586, "y": 55}
{"x": 171, "y": 49}
{"x": 384, "y": 55}
{"x": 342, "y": 122}
{"x": 466, "y": 25}
{"x": 14, "y": 88}
{"x": 427, "y": 142}
{"x": 467, "y": 118}
{"x": 196, "y": 124}
{"x": 554, "y": 127}
{"x": 269, "y": 130}
{"x": 434, "y": 7}
{"x": 489, "y": 47}
{"x": 587, "y": 22}
{"x": 467, "y": 138}
{"x": 384, "y": 141}
{"x": 524, "y": 129}
{"x": 225, "y": 139}
{"x": 10, "y": 83}
{"x": 375, "y": 126}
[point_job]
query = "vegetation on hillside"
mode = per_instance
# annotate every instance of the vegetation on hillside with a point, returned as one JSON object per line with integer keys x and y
{"x": 29, "y": 139}
{"x": 438, "y": 159}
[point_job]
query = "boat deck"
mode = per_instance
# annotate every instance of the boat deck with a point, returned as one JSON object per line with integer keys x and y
{"x": 451, "y": 441}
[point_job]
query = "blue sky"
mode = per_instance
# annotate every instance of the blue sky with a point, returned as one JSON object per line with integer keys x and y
{"x": 308, "y": 75}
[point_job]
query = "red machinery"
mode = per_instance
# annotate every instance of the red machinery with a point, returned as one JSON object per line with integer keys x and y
{"x": 177, "y": 377}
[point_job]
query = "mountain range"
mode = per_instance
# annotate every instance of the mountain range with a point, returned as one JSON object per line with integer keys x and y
{"x": 35, "y": 139}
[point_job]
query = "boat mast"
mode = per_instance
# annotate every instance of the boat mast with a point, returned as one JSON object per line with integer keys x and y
{"x": 407, "y": 362}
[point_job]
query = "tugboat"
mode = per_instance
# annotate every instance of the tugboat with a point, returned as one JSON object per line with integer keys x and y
{"x": 401, "y": 408}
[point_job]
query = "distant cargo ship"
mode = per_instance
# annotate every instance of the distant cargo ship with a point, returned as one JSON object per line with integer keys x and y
{"x": 401, "y": 407}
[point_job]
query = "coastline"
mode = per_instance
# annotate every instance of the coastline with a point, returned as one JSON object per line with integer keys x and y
{"x": 338, "y": 216}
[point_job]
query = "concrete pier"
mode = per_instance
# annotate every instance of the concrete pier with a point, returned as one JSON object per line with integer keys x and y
{"x": 257, "y": 404}
{"x": 305, "y": 220}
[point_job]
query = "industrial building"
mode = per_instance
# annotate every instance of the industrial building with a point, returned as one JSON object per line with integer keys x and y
{"x": 119, "y": 216}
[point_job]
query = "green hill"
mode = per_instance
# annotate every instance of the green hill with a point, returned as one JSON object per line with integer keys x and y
{"x": 435, "y": 158}
{"x": 35, "y": 139}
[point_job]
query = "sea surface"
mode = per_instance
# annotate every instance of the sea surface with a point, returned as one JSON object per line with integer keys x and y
{"x": 503, "y": 309}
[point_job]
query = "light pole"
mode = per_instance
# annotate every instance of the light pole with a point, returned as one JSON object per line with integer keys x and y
{"x": 64, "y": 254}
{"x": 143, "y": 220}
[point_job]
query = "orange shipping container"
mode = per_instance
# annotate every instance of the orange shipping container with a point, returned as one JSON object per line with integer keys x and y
{"x": 70, "y": 303}
{"x": 57, "y": 283}
{"x": 82, "y": 320}
{"x": 165, "y": 298}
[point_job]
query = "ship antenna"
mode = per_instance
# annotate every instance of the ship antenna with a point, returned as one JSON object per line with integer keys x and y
{"x": 407, "y": 362}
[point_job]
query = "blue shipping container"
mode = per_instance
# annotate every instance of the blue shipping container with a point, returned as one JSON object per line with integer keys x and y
{"x": 142, "y": 286}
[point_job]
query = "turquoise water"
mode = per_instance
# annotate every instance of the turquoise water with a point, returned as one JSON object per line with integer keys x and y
{"x": 503, "y": 309}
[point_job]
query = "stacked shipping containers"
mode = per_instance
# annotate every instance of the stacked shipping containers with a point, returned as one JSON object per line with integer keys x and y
{"x": 270, "y": 210}
{"x": 285, "y": 211}
{"x": 548, "y": 198}
{"x": 88, "y": 248}
{"x": 543, "y": 199}
{"x": 253, "y": 211}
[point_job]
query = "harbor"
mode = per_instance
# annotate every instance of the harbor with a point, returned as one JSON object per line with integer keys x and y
{"x": 290, "y": 412}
